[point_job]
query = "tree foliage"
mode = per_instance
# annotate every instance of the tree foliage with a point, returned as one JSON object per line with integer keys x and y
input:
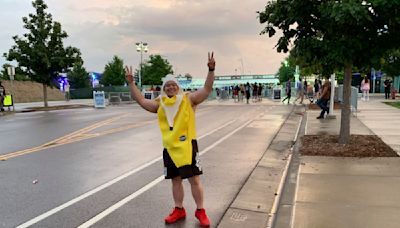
{"x": 40, "y": 52}
{"x": 155, "y": 69}
{"x": 390, "y": 63}
{"x": 114, "y": 73}
{"x": 335, "y": 35}
{"x": 79, "y": 77}
{"x": 285, "y": 72}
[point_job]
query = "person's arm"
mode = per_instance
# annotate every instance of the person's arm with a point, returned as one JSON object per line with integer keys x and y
{"x": 149, "y": 105}
{"x": 202, "y": 94}
{"x": 324, "y": 90}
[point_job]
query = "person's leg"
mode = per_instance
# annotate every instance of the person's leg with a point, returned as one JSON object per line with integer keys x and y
{"x": 197, "y": 190}
{"x": 178, "y": 212}
{"x": 177, "y": 191}
{"x": 320, "y": 103}
{"x": 321, "y": 114}
{"x": 326, "y": 107}
{"x": 367, "y": 94}
{"x": 297, "y": 97}
{"x": 301, "y": 97}
{"x": 1, "y": 103}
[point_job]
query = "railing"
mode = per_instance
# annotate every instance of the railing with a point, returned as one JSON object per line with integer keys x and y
{"x": 116, "y": 98}
{"x": 353, "y": 98}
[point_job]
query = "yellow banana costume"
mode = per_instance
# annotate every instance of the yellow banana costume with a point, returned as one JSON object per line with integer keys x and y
{"x": 177, "y": 124}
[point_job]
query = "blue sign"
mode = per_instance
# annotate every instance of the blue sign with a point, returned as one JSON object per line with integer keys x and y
{"x": 99, "y": 99}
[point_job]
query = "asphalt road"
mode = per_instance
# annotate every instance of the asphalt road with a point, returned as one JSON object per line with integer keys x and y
{"x": 103, "y": 167}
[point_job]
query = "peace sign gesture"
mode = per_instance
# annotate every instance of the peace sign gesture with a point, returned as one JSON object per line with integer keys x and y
{"x": 211, "y": 61}
{"x": 129, "y": 74}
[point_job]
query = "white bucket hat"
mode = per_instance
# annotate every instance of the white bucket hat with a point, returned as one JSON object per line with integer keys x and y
{"x": 171, "y": 110}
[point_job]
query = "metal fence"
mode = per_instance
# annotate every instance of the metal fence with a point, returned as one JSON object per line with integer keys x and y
{"x": 115, "y": 98}
{"x": 353, "y": 98}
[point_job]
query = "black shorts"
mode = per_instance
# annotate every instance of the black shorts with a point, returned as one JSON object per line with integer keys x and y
{"x": 194, "y": 169}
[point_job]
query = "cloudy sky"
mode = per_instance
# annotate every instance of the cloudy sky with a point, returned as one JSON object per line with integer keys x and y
{"x": 183, "y": 31}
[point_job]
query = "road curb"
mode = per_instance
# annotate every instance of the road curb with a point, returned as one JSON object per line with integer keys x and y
{"x": 254, "y": 205}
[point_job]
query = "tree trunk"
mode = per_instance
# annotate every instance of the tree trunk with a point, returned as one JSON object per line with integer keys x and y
{"x": 45, "y": 95}
{"x": 345, "y": 116}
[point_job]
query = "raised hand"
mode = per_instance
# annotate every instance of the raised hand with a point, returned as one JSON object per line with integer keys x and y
{"x": 129, "y": 74}
{"x": 211, "y": 61}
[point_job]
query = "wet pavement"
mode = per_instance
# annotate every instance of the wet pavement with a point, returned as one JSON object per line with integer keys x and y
{"x": 108, "y": 173}
{"x": 103, "y": 167}
{"x": 350, "y": 192}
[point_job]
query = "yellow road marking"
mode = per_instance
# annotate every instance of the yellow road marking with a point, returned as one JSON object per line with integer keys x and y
{"x": 82, "y": 134}
{"x": 85, "y": 129}
{"x": 66, "y": 139}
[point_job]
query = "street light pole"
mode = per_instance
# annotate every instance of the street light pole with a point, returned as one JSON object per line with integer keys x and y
{"x": 141, "y": 47}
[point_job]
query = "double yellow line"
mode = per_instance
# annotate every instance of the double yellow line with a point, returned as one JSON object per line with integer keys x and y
{"x": 78, "y": 135}
{"x": 83, "y": 134}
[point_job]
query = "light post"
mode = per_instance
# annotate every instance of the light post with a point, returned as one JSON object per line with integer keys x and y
{"x": 141, "y": 47}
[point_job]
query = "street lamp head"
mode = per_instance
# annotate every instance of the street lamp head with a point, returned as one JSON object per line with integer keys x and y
{"x": 141, "y": 46}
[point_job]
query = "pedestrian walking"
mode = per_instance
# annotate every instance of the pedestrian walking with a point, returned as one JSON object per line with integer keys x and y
{"x": 300, "y": 91}
{"x": 288, "y": 89}
{"x": 176, "y": 116}
{"x": 259, "y": 91}
{"x": 255, "y": 93}
{"x": 247, "y": 88}
{"x": 388, "y": 85}
{"x": 242, "y": 92}
{"x": 66, "y": 90}
{"x": 322, "y": 102}
{"x": 236, "y": 93}
{"x": 365, "y": 87}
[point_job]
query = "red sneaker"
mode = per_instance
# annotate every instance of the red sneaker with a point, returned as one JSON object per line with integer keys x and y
{"x": 175, "y": 215}
{"x": 202, "y": 217}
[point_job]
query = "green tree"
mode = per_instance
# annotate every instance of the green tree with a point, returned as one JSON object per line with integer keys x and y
{"x": 114, "y": 73}
{"x": 79, "y": 77}
{"x": 40, "y": 53}
{"x": 336, "y": 34}
{"x": 155, "y": 69}
{"x": 390, "y": 63}
{"x": 285, "y": 72}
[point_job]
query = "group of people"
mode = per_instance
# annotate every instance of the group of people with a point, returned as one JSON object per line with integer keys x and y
{"x": 303, "y": 90}
{"x": 365, "y": 88}
{"x": 239, "y": 92}
{"x": 248, "y": 90}
{"x": 322, "y": 92}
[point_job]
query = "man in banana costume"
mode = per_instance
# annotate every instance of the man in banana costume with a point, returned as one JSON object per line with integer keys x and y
{"x": 175, "y": 111}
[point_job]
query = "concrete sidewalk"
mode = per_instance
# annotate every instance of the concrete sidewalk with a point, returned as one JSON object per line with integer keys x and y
{"x": 351, "y": 192}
